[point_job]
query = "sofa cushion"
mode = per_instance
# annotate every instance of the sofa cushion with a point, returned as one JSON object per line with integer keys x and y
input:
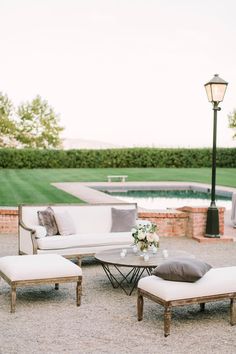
{"x": 123, "y": 219}
{"x": 65, "y": 223}
{"x": 41, "y": 231}
{"x": 182, "y": 269}
{"x": 47, "y": 218}
{"x": 85, "y": 240}
{"x": 33, "y": 267}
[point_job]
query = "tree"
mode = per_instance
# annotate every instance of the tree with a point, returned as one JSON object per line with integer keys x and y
{"x": 7, "y": 122}
{"x": 232, "y": 122}
{"x": 38, "y": 125}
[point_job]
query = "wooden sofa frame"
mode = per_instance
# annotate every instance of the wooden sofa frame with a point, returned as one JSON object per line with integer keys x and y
{"x": 181, "y": 302}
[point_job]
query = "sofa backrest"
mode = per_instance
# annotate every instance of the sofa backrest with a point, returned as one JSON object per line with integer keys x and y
{"x": 88, "y": 218}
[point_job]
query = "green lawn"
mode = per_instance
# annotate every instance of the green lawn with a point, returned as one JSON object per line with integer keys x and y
{"x": 33, "y": 186}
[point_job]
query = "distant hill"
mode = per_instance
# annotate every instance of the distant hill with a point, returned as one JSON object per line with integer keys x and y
{"x": 86, "y": 144}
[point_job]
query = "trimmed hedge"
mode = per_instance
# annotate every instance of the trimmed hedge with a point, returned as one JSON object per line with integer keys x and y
{"x": 129, "y": 157}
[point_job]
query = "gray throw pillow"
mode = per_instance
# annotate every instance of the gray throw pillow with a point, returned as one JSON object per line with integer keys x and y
{"x": 47, "y": 219}
{"x": 182, "y": 269}
{"x": 123, "y": 219}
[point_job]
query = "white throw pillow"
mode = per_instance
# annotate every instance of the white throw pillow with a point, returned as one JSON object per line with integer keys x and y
{"x": 41, "y": 231}
{"x": 65, "y": 223}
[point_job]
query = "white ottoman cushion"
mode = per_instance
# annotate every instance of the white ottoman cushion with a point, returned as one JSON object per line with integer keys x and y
{"x": 216, "y": 281}
{"x": 30, "y": 267}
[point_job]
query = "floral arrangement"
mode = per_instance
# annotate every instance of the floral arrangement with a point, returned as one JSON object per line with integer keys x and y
{"x": 145, "y": 235}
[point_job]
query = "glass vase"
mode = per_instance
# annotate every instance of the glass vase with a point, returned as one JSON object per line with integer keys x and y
{"x": 143, "y": 250}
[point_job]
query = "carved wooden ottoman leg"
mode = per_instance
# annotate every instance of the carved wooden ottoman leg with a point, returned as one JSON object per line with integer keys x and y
{"x": 232, "y": 311}
{"x": 167, "y": 320}
{"x": 140, "y": 306}
{"x": 13, "y": 298}
{"x": 78, "y": 292}
{"x": 56, "y": 286}
{"x": 202, "y": 306}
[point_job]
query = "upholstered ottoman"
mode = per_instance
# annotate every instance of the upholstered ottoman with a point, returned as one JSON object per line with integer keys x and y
{"x": 217, "y": 284}
{"x": 39, "y": 269}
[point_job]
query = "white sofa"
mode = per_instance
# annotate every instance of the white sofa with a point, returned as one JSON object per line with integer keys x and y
{"x": 92, "y": 225}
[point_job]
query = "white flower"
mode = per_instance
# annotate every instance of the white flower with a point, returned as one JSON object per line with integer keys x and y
{"x": 141, "y": 235}
{"x": 155, "y": 238}
{"x": 145, "y": 235}
{"x": 150, "y": 237}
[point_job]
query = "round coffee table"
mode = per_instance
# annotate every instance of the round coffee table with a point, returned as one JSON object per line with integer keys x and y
{"x": 112, "y": 262}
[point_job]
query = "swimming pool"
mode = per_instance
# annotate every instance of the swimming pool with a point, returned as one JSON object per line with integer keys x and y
{"x": 170, "y": 199}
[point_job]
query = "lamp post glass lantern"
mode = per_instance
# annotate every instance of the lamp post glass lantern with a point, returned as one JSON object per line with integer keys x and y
{"x": 215, "y": 90}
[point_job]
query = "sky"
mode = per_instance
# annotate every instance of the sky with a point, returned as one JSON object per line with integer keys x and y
{"x": 127, "y": 72}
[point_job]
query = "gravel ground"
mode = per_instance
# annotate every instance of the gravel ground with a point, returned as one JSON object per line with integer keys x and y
{"x": 48, "y": 321}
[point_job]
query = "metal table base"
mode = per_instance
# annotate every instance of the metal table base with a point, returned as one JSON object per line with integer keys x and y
{"x": 129, "y": 279}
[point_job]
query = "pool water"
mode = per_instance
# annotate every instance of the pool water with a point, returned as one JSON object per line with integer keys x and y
{"x": 162, "y": 199}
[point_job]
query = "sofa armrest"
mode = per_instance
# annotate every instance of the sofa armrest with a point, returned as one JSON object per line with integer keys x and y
{"x": 27, "y": 239}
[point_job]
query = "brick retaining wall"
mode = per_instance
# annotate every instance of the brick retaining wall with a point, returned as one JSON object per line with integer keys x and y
{"x": 169, "y": 222}
{"x": 8, "y": 221}
{"x": 186, "y": 221}
{"x": 197, "y": 221}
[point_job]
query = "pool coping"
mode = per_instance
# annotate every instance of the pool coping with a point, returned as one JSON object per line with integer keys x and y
{"x": 92, "y": 192}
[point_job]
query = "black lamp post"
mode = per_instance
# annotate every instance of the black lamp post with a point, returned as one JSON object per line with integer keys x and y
{"x": 215, "y": 90}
